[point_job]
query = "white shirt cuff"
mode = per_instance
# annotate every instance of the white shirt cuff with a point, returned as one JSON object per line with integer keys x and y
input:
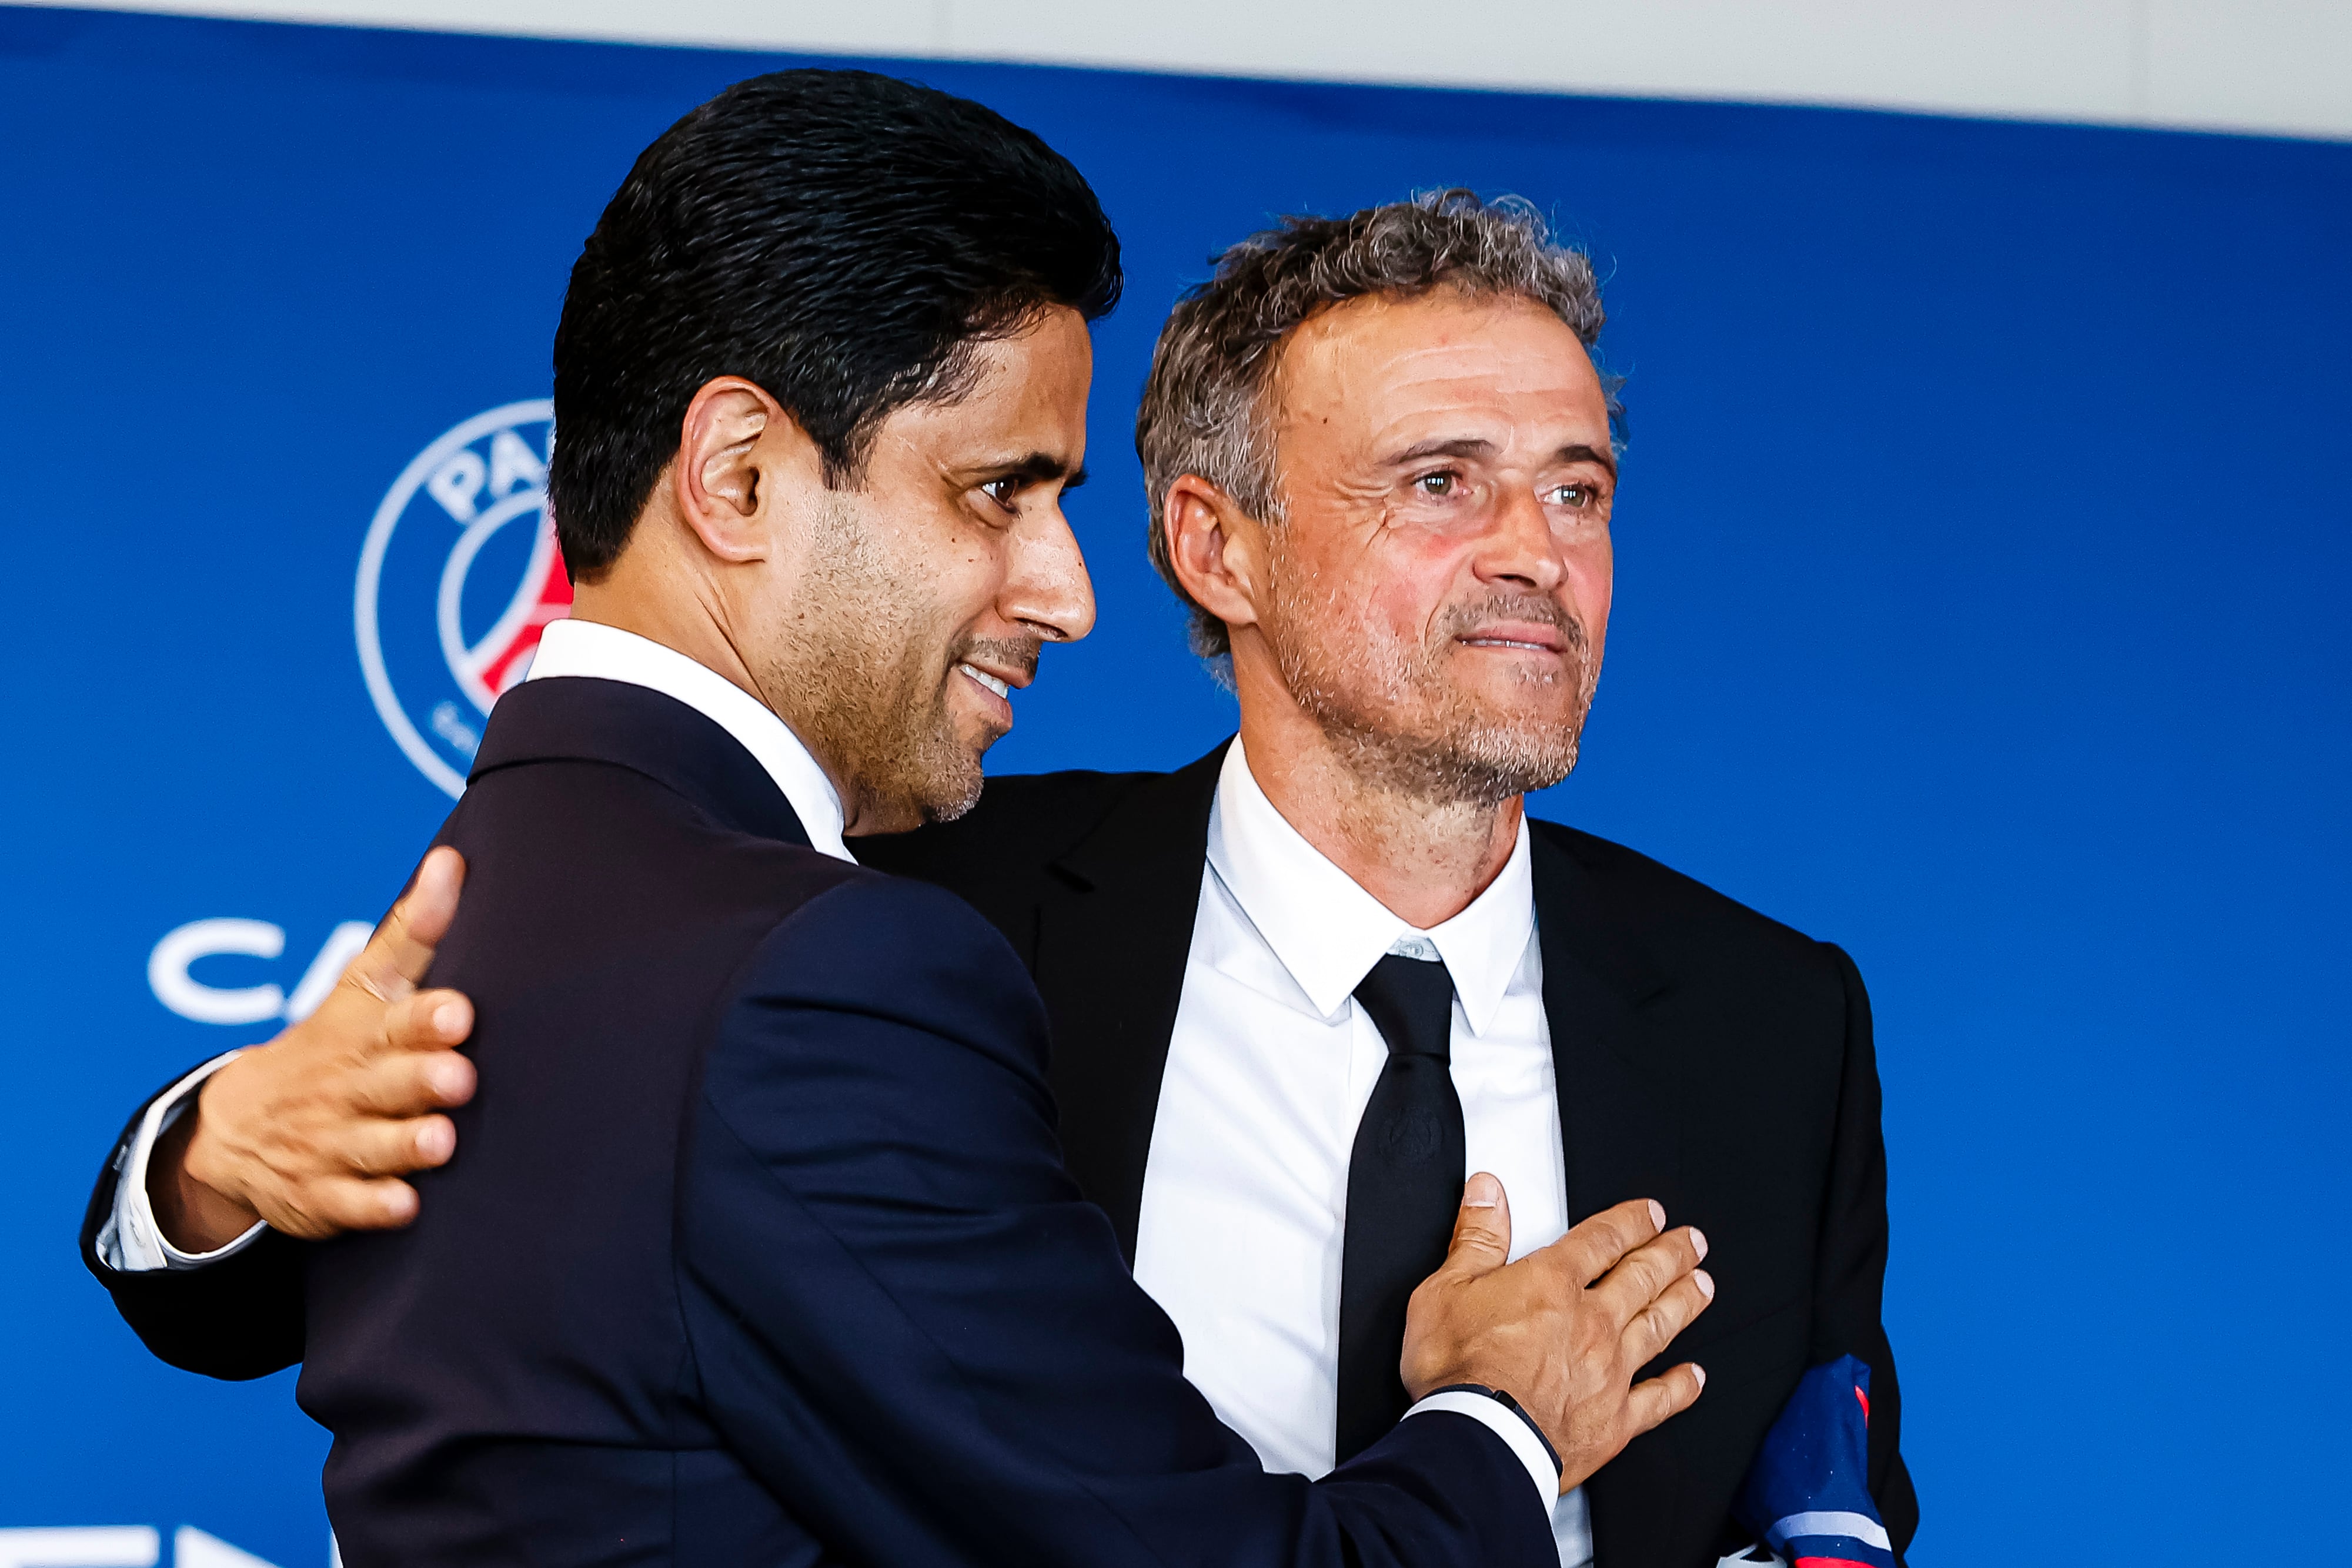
{"x": 1506, "y": 1424}
{"x": 130, "y": 1242}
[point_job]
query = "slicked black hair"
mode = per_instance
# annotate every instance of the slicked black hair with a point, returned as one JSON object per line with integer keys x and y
{"x": 840, "y": 239}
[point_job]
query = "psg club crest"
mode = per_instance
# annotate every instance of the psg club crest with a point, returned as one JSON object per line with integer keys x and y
{"x": 459, "y": 576}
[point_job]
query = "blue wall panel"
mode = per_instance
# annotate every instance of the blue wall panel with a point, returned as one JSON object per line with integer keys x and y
{"x": 1980, "y": 557}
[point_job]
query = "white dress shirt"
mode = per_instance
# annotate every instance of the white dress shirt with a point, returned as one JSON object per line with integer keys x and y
{"x": 1271, "y": 1064}
{"x": 131, "y": 1240}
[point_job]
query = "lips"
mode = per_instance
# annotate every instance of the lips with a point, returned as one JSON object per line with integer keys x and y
{"x": 1530, "y": 638}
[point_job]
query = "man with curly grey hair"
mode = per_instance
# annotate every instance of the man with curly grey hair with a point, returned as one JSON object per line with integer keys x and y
{"x": 1305, "y": 987}
{"x": 1380, "y": 468}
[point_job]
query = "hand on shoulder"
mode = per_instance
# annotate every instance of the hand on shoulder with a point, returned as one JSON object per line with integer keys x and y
{"x": 312, "y": 1132}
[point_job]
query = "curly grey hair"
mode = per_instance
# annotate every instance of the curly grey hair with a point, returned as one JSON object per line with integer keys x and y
{"x": 1204, "y": 409}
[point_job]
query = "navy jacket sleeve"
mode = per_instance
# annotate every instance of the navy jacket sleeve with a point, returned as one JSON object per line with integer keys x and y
{"x": 908, "y": 1323}
{"x": 238, "y": 1318}
{"x": 1852, "y": 1271}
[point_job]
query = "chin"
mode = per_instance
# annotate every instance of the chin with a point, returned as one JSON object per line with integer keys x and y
{"x": 1503, "y": 749}
{"x": 951, "y": 801}
{"x": 954, "y": 790}
{"x": 949, "y": 810}
{"x": 936, "y": 775}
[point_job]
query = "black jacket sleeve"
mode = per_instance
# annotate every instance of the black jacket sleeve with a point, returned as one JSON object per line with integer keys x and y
{"x": 908, "y": 1323}
{"x": 238, "y": 1318}
{"x": 1852, "y": 1270}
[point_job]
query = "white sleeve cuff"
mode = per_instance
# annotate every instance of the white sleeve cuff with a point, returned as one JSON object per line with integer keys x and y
{"x": 1506, "y": 1424}
{"x": 130, "y": 1242}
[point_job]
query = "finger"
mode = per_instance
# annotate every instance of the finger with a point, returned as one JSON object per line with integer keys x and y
{"x": 1655, "y": 1327}
{"x": 333, "y": 1205}
{"x": 400, "y": 1086}
{"x": 375, "y": 1148}
{"x": 428, "y": 1020}
{"x": 1482, "y": 1228}
{"x": 400, "y": 952}
{"x": 1593, "y": 1247}
{"x": 1649, "y": 1404}
{"x": 1646, "y": 1272}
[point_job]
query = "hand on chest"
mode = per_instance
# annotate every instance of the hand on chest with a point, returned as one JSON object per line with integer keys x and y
{"x": 1245, "y": 1212}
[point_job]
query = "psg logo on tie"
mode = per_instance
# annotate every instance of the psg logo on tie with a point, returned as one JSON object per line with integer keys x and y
{"x": 459, "y": 576}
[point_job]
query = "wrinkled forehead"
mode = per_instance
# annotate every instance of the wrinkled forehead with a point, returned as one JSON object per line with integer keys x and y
{"x": 1375, "y": 369}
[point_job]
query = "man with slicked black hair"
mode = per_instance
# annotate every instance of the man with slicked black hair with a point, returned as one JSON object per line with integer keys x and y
{"x": 761, "y": 1248}
{"x": 846, "y": 240}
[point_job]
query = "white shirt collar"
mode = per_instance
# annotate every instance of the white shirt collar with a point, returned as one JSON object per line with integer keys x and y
{"x": 1328, "y": 932}
{"x": 608, "y": 654}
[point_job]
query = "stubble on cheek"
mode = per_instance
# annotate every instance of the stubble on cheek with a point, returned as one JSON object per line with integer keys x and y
{"x": 1396, "y": 708}
{"x": 861, "y": 645}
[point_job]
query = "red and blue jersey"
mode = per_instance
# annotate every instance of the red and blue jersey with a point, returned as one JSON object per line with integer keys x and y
{"x": 1807, "y": 1497}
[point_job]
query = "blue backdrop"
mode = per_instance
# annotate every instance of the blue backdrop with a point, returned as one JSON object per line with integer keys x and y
{"x": 1981, "y": 553}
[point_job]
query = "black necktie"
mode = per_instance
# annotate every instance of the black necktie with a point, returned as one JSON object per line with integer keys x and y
{"x": 1404, "y": 1187}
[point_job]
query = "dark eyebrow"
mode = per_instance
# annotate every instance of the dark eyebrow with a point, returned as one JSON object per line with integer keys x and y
{"x": 1580, "y": 453}
{"x": 1471, "y": 446}
{"x": 1040, "y": 468}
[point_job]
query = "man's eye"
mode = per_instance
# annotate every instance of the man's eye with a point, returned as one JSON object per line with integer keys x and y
{"x": 1002, "y": 491}
{"x": 1577, "y": 496}
{"x": 1440, "y": 484}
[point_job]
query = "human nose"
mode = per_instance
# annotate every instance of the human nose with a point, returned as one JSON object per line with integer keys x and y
{"x": 1048, "y": 589}
{"x": 1520, "y": 548}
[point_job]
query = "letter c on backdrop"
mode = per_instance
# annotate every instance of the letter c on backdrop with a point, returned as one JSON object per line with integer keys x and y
{"x": 167, "y": 971}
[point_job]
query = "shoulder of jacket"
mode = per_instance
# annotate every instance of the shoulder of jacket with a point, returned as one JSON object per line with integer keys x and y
{"x": 870, "y": 931}
{"x": 1661, "y": 902}
{"x": 1023, "y": 820}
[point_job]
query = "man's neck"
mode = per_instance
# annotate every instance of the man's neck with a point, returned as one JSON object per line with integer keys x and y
{"x": 696, "y": 630}
{"x": 1424, "y": 860}
{"x": 687, "y": 630}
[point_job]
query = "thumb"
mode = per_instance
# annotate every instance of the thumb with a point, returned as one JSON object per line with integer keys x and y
{"x": 401, "y": 951}
{"x": 1482, "y": 1228}
{"x": 422, "y": 918}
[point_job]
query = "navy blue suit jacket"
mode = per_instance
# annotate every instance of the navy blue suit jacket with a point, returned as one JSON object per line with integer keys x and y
{"x": 757, "y": 1246}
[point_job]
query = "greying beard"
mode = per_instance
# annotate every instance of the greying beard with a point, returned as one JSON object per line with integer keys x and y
{"x": 1358, "y": 694}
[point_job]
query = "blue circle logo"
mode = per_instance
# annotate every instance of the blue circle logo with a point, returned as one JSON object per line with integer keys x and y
{"x": 459, "y": 576}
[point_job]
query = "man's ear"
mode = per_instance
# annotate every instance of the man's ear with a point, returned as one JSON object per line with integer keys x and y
{"x": 1217, "y": 549}
{"x": 734, "y": 444}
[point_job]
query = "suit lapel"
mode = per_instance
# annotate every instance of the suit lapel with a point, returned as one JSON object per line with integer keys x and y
{"x": 1112, "y": 941}
{"x": 1615, "y": 1101}
{"x": 1613, "y": 1098}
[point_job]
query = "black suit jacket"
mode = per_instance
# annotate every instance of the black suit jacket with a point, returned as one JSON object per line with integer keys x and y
{"x": 1706, "y": 1056}
{"x": 759, "y": 1248}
